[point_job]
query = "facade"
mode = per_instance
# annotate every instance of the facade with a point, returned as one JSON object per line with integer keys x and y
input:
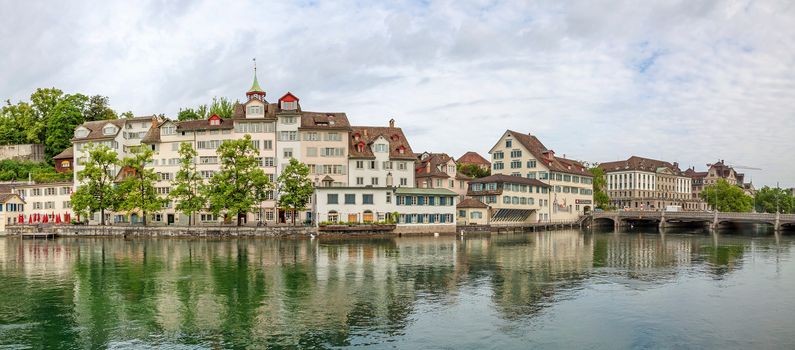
{"x": 472, "y": 212}
{"x": 473, "y": 158}
{"x": 418, "y": 209}
{"x": 438, "y": 170}
{"x": 697, "y": 181}
{"x": 571, "y": 185}
{"x": 29, "y": 152}
{"x": 11, "y": 207}
{"x": 64, "y": 161}
{"x": 45, "y": 199}
{"x": 648, "y": 184}
{"x": 380, "y": 156}
{"x": 512, "y": 199}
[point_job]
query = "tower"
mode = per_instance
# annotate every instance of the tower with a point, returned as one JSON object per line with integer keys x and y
{"x": 256, "y": 91}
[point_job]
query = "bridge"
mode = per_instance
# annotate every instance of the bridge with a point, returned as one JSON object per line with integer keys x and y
{"x": 713, "y": 219}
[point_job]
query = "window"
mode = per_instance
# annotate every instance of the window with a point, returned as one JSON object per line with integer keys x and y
{"x": 506, "y": 200}
{"x": 311, "y": 136}
{"x": 531, "y": 163}
{"x": 359, "y": 164}
{"x": 462, "y": 213}
{"x": 508, "y": 143}
{"x": 66, "y": 190}
{"x": 311, "y": 151}
{"x": 81, "y": 133}
{"x": 208, "y": 160}
{"x": 516, "y": 164}
{"x": 109, "y": 130}
{"x": 288, "y": 153}
{"x": 254, "y": 110}
{"x": 360, "y": 181}
{"x": 268, "y": 161}
{"x": 288, "y": 120}
{"x": 164, "y": 176}
{"x": 404, "y": 181}
{"x": 498, "y": 155}
{"x": 168, "y": 130}
{"x": 367, "y": 199}
{"x": 389, "y": 197}
{"x": 372, "y": 165}
{"x": 498, "y": 166}
{"x": 516, "y": 153}
{"x": 451, "y": 184}
{"x": 387, "y": 165}
{"x": 333, "y": 136}
{"x": 350, "y": 198}
{"x": 476, "y": 215}
{"x": 401, "y": 165}
{"x": 332, "y": 198}
{"x": 374, "y": 181}
{"x": 332, "y": 152}
{"x": 382, "y": 148}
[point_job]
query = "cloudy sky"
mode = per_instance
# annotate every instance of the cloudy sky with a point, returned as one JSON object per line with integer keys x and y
{"x": 688, "y": 81}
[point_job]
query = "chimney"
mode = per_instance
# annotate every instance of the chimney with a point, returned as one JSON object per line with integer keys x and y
{"x": 676, "y": 165}
{"x": 550, "y": 154}
{"x": 392, "y": 123}
{"x": 365, "y": 132}
{"x": 154, "y": 122}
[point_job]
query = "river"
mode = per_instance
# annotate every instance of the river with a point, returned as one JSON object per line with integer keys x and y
{"x": 558, "y": 290}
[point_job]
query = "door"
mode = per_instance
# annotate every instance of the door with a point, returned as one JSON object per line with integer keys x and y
{"x": 353, "y": 218}
{"x": 170, "y": 219}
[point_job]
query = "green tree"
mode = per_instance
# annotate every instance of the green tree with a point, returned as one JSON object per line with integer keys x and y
{"x": 17, "y": 123}
{"x": 98, "y": 109}
{"x": 202, "y": 111}
{"x": 188, "y": 114}
{"x": 19, "y": 170}
{"x": 137, "y": 190}
{"x": 769, "y": 199}
{"x": 128, "y": 115}
{"x": 95, "y": 191}
{"x": 240, "y": 185}
{"x": 600, "y": 198}
{"x": 295, "y": 187}
{"x": 726, "y": 197}
{"x": 473, "y": 170}
{"x": 64, "y": 118}
{"x": 221, "y": 107}
{"x": 187, "y": 185}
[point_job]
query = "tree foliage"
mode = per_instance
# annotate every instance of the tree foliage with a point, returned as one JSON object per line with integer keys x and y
{"x": 187, "y": 187}
{"x": 295, "y": 187}
{"x": 18, "y": 170}
{"x": 240, "y": 185}
{"x": 188, "y": 114}
{"x": 97, "y": 109}
{"x": 95, "y": 191}
{"x": 221, "y": 107}
{"x": 600, "y": 198}
{"x": 472, "y": 170}
{"x": 726, "y": 197}
{"x": 769, "y": 199}
{"x": 137, "y": 190}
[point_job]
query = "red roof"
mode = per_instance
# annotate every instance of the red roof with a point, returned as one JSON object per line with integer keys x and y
{"x": 473, "y": 158}
{"x": 288, "y": 97}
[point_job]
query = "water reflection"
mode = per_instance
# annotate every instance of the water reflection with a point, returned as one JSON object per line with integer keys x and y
{"x": 94, "y": 293}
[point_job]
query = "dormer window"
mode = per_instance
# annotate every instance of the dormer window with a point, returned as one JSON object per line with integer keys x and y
{"x": 401, "y": 150}
{"x": 168, "y": 130}
{"x": 289, "y": 106}
{"x": 215, "y": 120}
{"x": 254, "y": 110}
{"x": 288, "y": 102}
{"x": 109, "y": 130}
{"x": 356, "y": 136}
{"x": 360, "y": 147}
{"x": 381, "y": 148}
{"x": 81, "y": 133}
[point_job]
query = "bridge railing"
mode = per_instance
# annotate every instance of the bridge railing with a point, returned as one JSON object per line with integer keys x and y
{"x": 747, "y": 216}
{"x": 787, "y": 217}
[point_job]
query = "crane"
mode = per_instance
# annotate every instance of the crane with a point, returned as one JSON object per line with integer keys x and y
{"x": 736, "y": 166}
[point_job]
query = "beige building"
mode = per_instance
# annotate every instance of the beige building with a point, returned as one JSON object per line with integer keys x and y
{"x": 648, "y": 184}
{"x": 512, "y": 199}
{"x": 48, "y": 199}
{"x": 472, "y": 212}
{"x": 11, "y": 207}
{"x": 571, "y": 185}
{"x": 324, "y": 147}
{"x": 438, "y": 170}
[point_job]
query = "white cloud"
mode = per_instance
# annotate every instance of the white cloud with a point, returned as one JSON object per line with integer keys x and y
{"x": 686, "y": 81}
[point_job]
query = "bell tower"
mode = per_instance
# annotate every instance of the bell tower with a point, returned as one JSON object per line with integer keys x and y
{"x": 256, "y": 92}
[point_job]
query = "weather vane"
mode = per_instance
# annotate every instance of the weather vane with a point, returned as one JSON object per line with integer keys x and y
{"x": 255, "y": 64}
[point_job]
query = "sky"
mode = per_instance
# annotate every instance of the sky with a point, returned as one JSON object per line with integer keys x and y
{"x": 687, "y": 81}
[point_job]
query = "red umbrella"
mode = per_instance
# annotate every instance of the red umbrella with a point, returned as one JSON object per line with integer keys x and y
{"x": 44, "y": 220}
{"x": 21, "y": 219}
{"x": 58, "y": 219}
{"x": 67, "y": 217}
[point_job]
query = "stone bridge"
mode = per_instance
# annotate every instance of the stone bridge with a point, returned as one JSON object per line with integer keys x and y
{"x": 662, "y": 218}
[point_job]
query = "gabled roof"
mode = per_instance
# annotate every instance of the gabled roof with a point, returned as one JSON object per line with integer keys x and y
{"x": 429, "y": 167}
{"x": 368, "y": 134}
{"x": 640, "y": 164}
{"x": 473, "y": 158}
{"x": 95, "y": 128}
{"x": 498, "y": 178}
{"x": 324, "y": 121}
{"x": 67, "y": 153}
{"x": 191, "y": 125}
{"x": 547, "y": 156}
{"x": 288, "y": 97}
{"x": 692, "y": 173}
{"x": 471, "y": 203}
{"x": 5, "y": 197}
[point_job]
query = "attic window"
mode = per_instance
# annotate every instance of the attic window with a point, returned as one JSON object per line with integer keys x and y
{"x": 81, "y": 133}
{"x": 360, "y": 147}
{"x": 289, "y": 105}
{"x": 109, "y": 130}
{"x": 356, "y": 136}
{"x": 401, "y": 149}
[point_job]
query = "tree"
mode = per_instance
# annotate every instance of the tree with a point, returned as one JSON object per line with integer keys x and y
{"x": 769, "y": 199}
{"x": 295, "y": 187}
{"x": 128, "y": 115}
{"x": 60, "y": 125}
{"x": 96, "y": 193}
{"x": 188, "y": 114}
{"x": 472, "y": 170}
{"x": 600, "y": 198}
{"x": 726, "y": 197}
{"x": 97, "y": 109}
{"x": 221, "y": 107}
{"x": 187, "y": 185}
{"x": 240, "y": 184}
{"x": 137, "y": 189}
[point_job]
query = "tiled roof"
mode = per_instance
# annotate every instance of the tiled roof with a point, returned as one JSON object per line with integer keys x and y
{"x": 509, "y": 179}
{"x": 471, "y": 203}
{"x": 368, "y": 134}
{"x": 324, "y": 121}
{"x": 691, "y": 173}
{"x": 473, "y": 158}
{"x": 204, "y": 124}
{"x": 429, "y": 167}
{"x": 546, "y": 156}
{"x": 6, "y": 196}
{"x": 67, "y": 153}
{"x": 95, "y": 127}
{"x": 640, "y": 163}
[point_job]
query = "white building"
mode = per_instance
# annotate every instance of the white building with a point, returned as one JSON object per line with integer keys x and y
{"x": 380, "y": 156}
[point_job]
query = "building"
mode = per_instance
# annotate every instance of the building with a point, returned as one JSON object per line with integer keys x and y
{"x": 28, "y": 152}
{"x": 647, "y": 184}
{"x": 512, "y": 199}
{"x": 419, "y": 210}
{"x": 473, "y": 158}
{"x": 324, "y": 146}
{"x": 472, "y": 212}
{"x": 64, "y": 161}
{"x": 45, "y": 199}
{"x": 380, "y": 157}
{"x": 438, "y": 170}
{"x": 11, "y": 207}
{"x": 697, "y": 183}
{"x": 571, "y": 185}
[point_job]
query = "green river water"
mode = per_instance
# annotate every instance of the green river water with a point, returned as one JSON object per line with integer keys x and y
{"x": 556, "y": 290}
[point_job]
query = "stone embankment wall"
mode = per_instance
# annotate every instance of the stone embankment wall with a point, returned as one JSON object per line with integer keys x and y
{"x": 170, "y": 231}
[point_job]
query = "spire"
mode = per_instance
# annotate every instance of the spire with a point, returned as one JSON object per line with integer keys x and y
{"x": 255, "y": 88}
